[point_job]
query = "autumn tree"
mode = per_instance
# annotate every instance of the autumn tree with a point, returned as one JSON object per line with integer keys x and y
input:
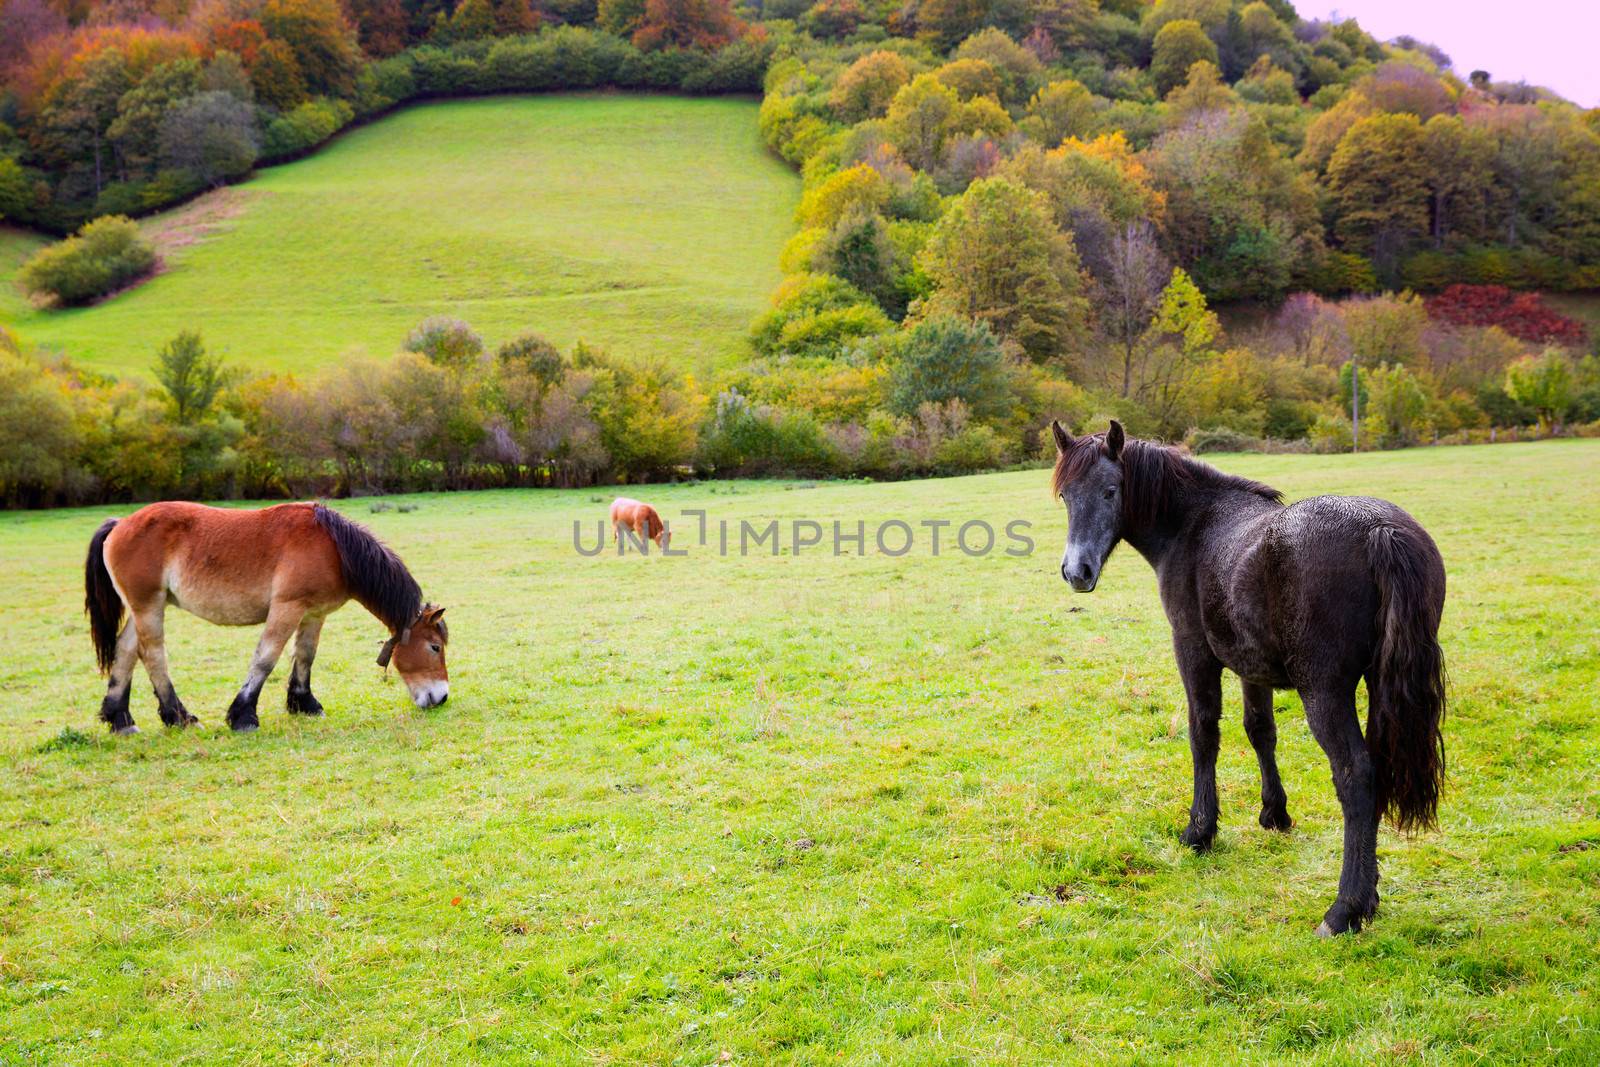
{"x": 323, "y": 43}
{"x": 866, "y": 87}
{"x": 1060, "y": 110}
{"x": 687, "y": 24}
{"x": 1378, "y": 185}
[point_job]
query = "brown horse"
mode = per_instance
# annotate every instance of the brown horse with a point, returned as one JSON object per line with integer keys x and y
{"x": 639, "y": 518}
{"x": 287, "y": 566}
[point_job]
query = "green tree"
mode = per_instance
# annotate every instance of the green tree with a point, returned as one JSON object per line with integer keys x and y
{"x": 859, "y": 250}
{"x": 998, "y": 258}
{"x": 1544, "y": 385}
{"x": 140, "y": 111}
{"x": 1399, "y": 402}
{"x": 210, "y": 135}
{"x": 191, "y": 377}
{"x": 948, "y": 358}
{"x": 37, "y": 428}
{"x": 1179, "y": 45}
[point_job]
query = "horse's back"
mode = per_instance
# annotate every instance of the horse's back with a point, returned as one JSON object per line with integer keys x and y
{"x": 226, "y": 565}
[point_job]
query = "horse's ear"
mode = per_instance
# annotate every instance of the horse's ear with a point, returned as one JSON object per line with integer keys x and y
{"x": 1115, "y": 439}
{"x": 1064, "y": 441}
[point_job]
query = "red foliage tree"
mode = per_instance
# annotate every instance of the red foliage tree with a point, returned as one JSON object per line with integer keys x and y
{"x": 687, "y": 24}
{"x": 1522, "y": 315}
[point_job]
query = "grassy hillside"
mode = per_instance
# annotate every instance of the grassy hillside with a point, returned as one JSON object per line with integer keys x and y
{"x": 647, "y": 224}
{"x": 798, "y": 809}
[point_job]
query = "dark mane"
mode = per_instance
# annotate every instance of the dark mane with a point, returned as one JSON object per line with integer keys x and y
{"x": 1153, "y": 475}
{"x": 373, "y": 572}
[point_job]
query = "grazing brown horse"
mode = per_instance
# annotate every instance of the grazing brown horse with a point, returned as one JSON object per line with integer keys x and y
{"x": 641, "y": 519}
{"x": 286, "y": 566}
{"x": 1314, "y": 596}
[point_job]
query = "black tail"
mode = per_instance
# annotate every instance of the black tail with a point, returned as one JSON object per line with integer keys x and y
{"x": 100, "y": 599}
{"x": 1405, "y": 687}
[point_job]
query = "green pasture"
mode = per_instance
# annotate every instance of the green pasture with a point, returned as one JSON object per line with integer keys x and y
{"x": 649, "y": 225}
{"x": 796, "y": 808}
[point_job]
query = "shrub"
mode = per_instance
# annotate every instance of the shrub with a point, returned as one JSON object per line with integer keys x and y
{"x": 304, "y": 128}
{"x": 1522, "y": 315}
{"x": 105, "y": 255}
{"x": 446, "y": 341}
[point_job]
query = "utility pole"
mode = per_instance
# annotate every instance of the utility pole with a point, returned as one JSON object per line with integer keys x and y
{"x": 1355, "y": 405}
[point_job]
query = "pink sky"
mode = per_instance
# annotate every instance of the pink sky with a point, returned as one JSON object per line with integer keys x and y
{"x": 1546, "y": 42}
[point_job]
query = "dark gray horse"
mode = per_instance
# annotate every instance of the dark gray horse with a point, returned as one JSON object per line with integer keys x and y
{"x": 1314, "y": 597}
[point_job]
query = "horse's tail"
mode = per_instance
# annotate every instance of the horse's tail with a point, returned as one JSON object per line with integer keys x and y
{"x": 101, "y": 599}
{"x": 1406, "y": 683}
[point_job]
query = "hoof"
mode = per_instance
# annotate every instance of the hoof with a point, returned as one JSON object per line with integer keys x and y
{"x": 1324, "y": 930}
{"x": 126, "y": 731}
{"x": 1277, "y": 819}
{"x": 304, "y": 704}
{"x": 1200, "y": 842}
{"x": 246, "y": 727}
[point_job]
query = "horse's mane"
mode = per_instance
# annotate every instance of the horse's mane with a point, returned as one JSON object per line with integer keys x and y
{"x": 373, "y": 572}
{"x": 1153, "y": 475}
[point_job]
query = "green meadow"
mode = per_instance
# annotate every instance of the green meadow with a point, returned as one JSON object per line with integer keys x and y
{"x": 649, "y": 225}
{"x": 797, "y": 807}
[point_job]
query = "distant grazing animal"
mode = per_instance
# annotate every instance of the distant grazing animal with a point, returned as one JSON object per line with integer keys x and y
{"x": 1314, "y": 597}
{"x": 641, "y": 519}
{"x": 287, "y": 566}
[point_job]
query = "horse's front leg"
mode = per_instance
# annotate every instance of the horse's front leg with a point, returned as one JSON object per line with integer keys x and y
{"x": 281, "y": 622}
{"x": 1202, "y": 682}
{"x": 1263, "y": 733}
{"x": 301, "y": 701}
{"x": 1332, "y": 718}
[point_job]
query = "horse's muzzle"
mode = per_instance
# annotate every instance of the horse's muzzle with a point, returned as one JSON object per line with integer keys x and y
{"x": 1082, "y": 579}
{"x": 431, "y": 694}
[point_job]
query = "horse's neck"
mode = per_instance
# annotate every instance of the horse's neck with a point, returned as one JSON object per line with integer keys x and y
{"x": 1190, "y": 519}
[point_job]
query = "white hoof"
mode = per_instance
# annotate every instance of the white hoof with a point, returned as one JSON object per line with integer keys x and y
{"x": 126, "y": 731}
{"x": 1324, "y": 930}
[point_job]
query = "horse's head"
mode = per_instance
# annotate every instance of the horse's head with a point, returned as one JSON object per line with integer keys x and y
{"x": 418, "y": 655}
{"x": 1088, "y": 479}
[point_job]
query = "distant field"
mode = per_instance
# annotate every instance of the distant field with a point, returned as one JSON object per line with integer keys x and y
{"x": 650, "y": 225}
{"x": 798, "y": 809}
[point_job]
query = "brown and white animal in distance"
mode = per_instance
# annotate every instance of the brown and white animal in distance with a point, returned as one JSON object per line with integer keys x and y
{"x": 641, "y": 519}
{"x": 287, "y": 566}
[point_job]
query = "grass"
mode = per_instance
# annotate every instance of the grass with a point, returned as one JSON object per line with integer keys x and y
{"x": 797, "y": 808}
{"x": 649, "y": 225}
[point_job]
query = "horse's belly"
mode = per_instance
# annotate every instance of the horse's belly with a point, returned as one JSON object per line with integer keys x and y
{"x": 216, "y": 601}
{"x": 1252, "y": 658}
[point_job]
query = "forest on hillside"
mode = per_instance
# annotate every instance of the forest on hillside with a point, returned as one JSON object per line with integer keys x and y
{"x": 1013, "y": 210}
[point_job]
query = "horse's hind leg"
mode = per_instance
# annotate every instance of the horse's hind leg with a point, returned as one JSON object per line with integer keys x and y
{"x": 1263, "y": 733}
{"x": 151, "y": 625}
{"x": 282, "y": 620}
{"x": 301, "y": 702}
{"x": 1202, "y": 681}
{"x": 1332, "y": 717}
{"x": 114, "y": 707}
